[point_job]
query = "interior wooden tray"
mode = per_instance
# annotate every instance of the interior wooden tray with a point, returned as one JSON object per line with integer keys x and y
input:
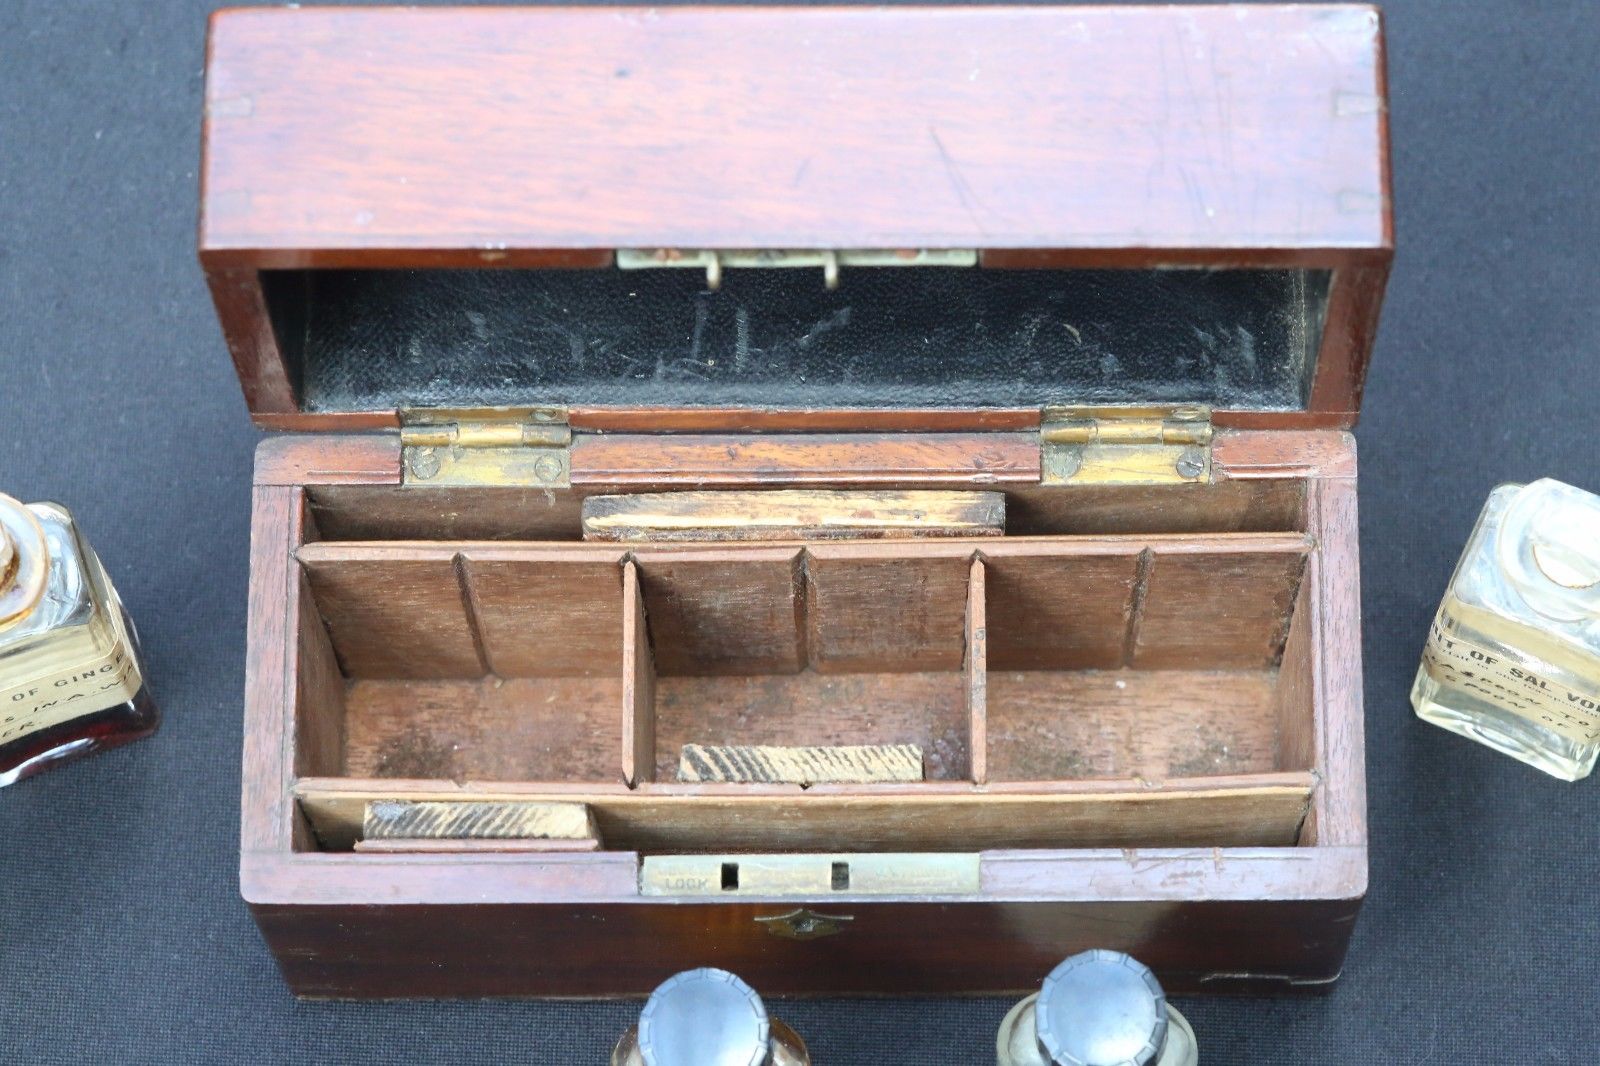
{"x": 1066, "y": 690}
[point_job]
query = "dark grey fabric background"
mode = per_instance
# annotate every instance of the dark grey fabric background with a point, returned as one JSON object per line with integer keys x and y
{"x": 122, "y": 938}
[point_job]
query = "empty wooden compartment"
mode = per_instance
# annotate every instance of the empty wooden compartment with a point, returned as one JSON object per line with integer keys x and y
{"x": 472, "y": 664}
{"x": 808, "y": 646}
{"x": 1150, "y": 660}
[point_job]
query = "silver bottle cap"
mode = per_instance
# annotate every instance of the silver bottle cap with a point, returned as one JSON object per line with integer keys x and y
{"x": 1549, "y": 546}
{"x": 24, "y": 560}
{"x": 1101, "y": 1008}
{"x": 704, "y": 1017}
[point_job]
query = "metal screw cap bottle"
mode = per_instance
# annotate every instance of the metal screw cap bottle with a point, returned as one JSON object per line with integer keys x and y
{"x": 1101, "y": 1008}
{"x": 705, "y": 1017}
{"x": 1098, "y": 1008}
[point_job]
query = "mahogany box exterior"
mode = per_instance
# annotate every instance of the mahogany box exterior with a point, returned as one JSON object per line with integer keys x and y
{"x": 405, "y": 212}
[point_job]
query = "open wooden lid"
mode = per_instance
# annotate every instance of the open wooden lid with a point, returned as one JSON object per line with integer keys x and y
{"x": 957, "y": 214}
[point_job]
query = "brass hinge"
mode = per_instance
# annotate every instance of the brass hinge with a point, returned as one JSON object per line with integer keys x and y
{"x": 713, "y": 260}
{"x": 501, "y": 446}
{"x": 1125, "y": 445}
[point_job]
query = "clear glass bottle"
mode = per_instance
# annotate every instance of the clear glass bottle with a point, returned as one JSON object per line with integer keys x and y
{"x": 708, "y": 1017}
{"x": 1513, "y": 656}
{"x": 71, "y": 681}
{"x": 1098, "y": 1008}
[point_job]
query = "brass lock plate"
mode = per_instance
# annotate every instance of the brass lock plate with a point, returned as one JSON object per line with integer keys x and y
{"x": 812, "y": 876}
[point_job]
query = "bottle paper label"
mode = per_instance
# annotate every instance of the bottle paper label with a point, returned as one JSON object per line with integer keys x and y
{"x": 62, "y": 695}
{"x": 1510, "y": 684}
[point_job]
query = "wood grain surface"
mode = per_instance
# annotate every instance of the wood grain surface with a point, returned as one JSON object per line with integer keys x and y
{"x": 850, "y": 764}
{"x": 869, "y": 612}
{"x": 740, "y": 611}
{"x": 546, "y": 617}
{"x": 1242, "y": 811}
{"x": 495, "y": 729}
{"x": 395, "y": 617}
{"x": 792, "y": 514}
{"x": 927, "y": 710}
{"x": 1150, "y": 724}
{"x": 467, "y": 820}
{"x": 331, "y": 130}
{"x": 319, "y": 701}
{"x": 1199, "y": 941}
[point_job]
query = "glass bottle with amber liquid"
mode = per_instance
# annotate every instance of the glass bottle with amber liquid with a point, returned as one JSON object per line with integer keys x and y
{"x": 1513, "y": 656}
{"x": 71, "y": 682}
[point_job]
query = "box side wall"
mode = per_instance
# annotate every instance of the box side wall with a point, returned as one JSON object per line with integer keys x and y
{"x": 567, "y": 951}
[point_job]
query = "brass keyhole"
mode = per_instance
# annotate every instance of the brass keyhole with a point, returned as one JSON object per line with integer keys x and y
{"x": 805, "y": 924}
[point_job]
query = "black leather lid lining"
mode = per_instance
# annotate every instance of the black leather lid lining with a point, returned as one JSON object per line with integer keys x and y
{"x": 886, "y": 338}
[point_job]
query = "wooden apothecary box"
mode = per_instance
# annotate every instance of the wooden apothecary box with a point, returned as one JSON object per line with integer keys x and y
{"x": 1140, "y": 708}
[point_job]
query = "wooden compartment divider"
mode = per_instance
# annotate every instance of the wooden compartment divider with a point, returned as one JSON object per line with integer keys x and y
{"x": 638, "y": 684}
{"x": 1251, "y": 810}
{"x": 1218, "y": 606}
{"x": 977, "y": 670}
{"x": 1296, "y": 730}
{"x": 1051, "y": 607}
{"x": 320, "y": 708}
